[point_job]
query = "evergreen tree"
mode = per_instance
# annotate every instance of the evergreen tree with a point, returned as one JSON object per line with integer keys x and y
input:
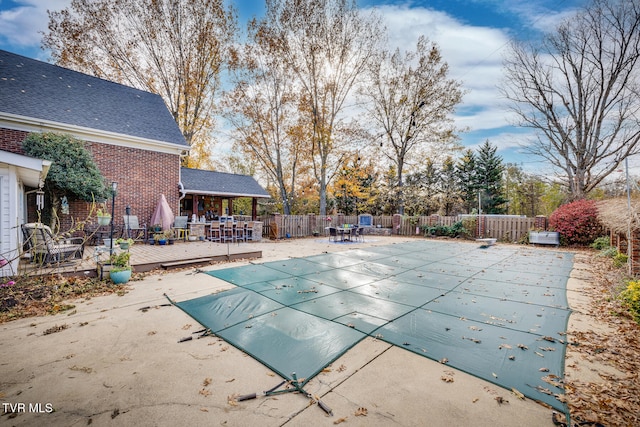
{"x": 466, "y": 178}
{"x": 488, "y": 179}
{"x": 448, "y": 187}
{"x": 420, "y": 190}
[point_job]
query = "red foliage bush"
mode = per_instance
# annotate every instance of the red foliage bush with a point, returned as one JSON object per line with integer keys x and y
{"x": 577, "y": 222}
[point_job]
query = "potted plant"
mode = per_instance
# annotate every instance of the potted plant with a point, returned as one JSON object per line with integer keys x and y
{"x": 120, "y": 267}
{"x": 124, "y": 243}
{"x": 104, "y": 217}
{"x": 160, "y": 238}
{"x": 156, "y": 228}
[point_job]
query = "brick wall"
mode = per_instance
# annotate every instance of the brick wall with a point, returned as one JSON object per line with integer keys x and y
{"x": 634, "y": 259}
{"x": 142, "y": 176}
{"x": 11, "y": 140}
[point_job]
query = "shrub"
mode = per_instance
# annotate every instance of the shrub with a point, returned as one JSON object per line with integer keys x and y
{"x": 631, "y": 298}
{"x": 577, "y": 222}
{"x": 455, "y": 230}
{"x": 601, "y": 243}
{"x": 620, "y": 259}
{"x": 609, "y": 252}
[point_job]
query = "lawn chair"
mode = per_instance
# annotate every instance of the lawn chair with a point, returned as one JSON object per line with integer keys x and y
{"x": 133, "y": 229}
{"x": 180, "y": 227}
{"x": 43, "y": 245}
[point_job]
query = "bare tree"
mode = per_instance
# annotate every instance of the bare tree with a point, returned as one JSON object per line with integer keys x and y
{"x": 326, "y": 45}
{"x": 262, "y": 107}
{"x": 411, "y": 99}
{"x": 579, "y": 90}
{"x": 174, "y": 48}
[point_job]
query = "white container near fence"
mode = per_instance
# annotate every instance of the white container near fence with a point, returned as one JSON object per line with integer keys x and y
{"x": 544, "y": 237}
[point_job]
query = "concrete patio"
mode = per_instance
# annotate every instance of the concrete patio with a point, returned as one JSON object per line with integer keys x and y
{"x": 123, "y": 360}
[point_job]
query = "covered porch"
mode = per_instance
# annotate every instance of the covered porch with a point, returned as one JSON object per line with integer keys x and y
{"x": 210, "y": 194}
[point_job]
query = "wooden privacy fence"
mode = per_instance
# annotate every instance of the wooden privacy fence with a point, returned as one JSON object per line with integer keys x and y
{"x": 508, "y": 228}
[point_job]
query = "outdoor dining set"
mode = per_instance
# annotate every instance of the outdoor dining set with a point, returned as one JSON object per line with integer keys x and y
{"x": 346, "y": 233}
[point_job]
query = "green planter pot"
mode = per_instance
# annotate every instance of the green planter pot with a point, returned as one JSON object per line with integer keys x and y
{"x": 104, "y": 220}
{"x": 119, "y": 277}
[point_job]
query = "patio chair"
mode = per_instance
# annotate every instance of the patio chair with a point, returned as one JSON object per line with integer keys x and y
{"x": 226, "y": 232}
{"x": 180, "y": 227}
{"x": 239, "y": 232}
{"x": 249, "y": 230}
{"x": 43, "y": 245}
{"x": 359, "y": 234}
{"x": 333, "y": 234}
{"x": 133, "y": 229}
{"x": 214, "y": 231}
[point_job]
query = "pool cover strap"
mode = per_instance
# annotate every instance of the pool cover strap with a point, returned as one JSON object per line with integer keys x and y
{"x": 293, "y": 385}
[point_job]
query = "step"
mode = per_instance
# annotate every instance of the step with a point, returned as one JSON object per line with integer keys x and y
{"x": 186, "y": 262}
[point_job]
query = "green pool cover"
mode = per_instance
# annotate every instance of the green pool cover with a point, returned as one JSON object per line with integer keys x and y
{"x": 498, "y": 313}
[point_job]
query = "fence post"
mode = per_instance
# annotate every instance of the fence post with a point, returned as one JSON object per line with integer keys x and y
{"x": 396, "y": 222}
{"x": 541, "y": 222}
{"x": 275, "y": 231}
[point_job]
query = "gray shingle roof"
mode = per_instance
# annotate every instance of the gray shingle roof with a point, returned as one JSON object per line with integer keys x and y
{"x": 198, "y": 181}
{"x": 44, "y": 91}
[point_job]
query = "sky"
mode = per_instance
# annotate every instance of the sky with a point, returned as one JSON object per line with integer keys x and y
{"x": 472, "y": 34}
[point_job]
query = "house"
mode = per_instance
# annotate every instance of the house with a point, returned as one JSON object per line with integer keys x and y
{"x": 133, "y": 138}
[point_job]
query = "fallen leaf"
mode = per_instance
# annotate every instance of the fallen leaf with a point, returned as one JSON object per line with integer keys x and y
{"x": 206, "y": 382}
{"x": 340, "y": 420}
{"x": 501, "y": 400}
{"x": 361, "y": 412}
{"x": 517, "y": 394}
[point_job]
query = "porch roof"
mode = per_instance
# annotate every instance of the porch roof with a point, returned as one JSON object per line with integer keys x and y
{"x": 32, "y": 171}
{"x": 213, "y": 183}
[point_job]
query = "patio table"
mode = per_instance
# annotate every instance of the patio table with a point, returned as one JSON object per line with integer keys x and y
{"x": 344, "y": 231}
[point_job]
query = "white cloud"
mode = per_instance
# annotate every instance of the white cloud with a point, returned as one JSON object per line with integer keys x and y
{"x": 22, "y": 25}
{"x": 472, "y": 52}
